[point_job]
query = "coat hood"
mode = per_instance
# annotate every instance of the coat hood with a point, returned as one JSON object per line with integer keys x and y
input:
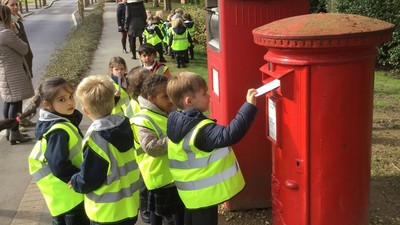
{"x": 151, "y": 28}
{"x": 180, "y": 123}
{"x": 179, "y": 30}
{"x": 188, "y": 23}
{"x": 48, "y": 119}
{"x": 114, "y": 129}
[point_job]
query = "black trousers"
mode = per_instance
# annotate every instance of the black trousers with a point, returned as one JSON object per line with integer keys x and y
{"x": 75, "y": 216}
{"x": 11, "y": 109}
{"x": 202, "y": 216}
{"x": 132, "y": 43}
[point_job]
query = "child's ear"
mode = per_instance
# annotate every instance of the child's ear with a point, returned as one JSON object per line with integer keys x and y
{"x": 187, "y": 101}
{"x": 150, "y": 98}
{"x": 84, "y": 110}
{"x": 47, "y": 105}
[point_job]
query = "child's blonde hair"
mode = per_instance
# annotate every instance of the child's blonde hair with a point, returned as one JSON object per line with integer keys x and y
{"x": 178, "y": 22}
{"x": 179, "y": 10}
{"x": 159, "y": 13}
{"x": 96, "y": 94}
{"x": 115, "y": 61}
{"x": 185, "y": 84}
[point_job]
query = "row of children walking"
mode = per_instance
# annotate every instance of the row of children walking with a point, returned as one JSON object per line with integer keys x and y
{"x": 173, "y": 37}
{"x": 183, "y": 157}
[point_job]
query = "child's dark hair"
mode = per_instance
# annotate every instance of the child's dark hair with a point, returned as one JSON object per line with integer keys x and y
{"x": 49, "y": 88}
{"x": 147, "y": 48}
{"x": 135, "y": 79}
{"x": 152, "y": 84}
{"x": 187, "y": 16}
{"x": 114, "y": 61}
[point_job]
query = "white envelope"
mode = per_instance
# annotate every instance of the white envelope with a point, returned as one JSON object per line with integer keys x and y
{"x": 268, "y": 87}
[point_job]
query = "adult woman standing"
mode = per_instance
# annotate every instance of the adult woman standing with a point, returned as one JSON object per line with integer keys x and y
{"x": 19, "y": 29}
{"x": 135, "y": 22}
{"x": 15, "y": 78}
{"x": 121, "y": 10}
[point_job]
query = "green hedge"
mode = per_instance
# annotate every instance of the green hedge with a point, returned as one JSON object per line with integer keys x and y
{"x": 387, "y": 10}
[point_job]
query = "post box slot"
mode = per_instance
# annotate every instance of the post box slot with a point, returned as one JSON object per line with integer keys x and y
{"x": 213, "y": 24}
{"x": 270, "y": 72}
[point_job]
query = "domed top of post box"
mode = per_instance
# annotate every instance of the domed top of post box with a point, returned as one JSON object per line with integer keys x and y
{"x": 323, "y": 30}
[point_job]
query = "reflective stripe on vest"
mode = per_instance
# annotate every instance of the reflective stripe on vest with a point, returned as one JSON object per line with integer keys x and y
{"x": 124, "y": 99}
{"x": 203, "y": 178}
{"x": 132, "y": 108}
{"x": 168, "y": 32}
{"x": 118, "y": 197}
{"x": 180, "y": 42}
{"x": 153, "y": 38}
{"x": 159, "y": 69}
{"x": 59, "y": 197}
{"x": 74, "y": 151}
{"x": 155, "y": 170}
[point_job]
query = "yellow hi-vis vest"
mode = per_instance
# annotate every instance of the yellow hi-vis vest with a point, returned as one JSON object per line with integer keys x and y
{"x": 132, "y": 108}
{"x": 118, "y": 197}
{"x": 59, "y": 198}
{"x": 153, "y": 38}
{"x": 122, "y": 102}
{"x": 191, "y": 30}
{"x": 168, "y": 31}
{"x": 155, "y": 170}
{"x": 203, "y": 178}
{"x": 180, "y": 42}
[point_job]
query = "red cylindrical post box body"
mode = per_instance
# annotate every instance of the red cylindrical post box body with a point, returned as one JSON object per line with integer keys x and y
{"x": 233, "y": 62}
{"x": 320, "y": 118}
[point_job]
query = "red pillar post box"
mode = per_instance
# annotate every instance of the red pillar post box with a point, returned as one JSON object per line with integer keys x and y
{"x": 320, "y": 118}
{"x": 233, "y": 62}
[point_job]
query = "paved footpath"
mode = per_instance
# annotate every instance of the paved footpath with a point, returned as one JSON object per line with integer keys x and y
{"x": 32, "y": 209}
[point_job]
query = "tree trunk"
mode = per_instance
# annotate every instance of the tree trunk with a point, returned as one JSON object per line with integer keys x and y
{"x": 155, "y": 3}
{"x": 167, "y": 5}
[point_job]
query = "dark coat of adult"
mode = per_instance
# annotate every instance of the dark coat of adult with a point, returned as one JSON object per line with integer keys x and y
{"x": 121, "y": 10}
{"x": 15, "y": 77}
{"x": 136, "y": 16}
{"x": 22, "y": 36}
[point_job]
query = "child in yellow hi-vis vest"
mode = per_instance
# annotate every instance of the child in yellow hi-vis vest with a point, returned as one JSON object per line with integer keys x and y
{"x": 109, "y": 175}
{"x": 117, "y": 70}
{"x": 149, "y": 126}
{"x": 201, "y": 161}
{"x": 57, "y": 154}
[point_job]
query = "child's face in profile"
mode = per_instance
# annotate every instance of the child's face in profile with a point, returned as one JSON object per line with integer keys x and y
{"x": 64, "y": 102}
{"x": 161, "y": 100}
{"x": 118, "y": 70}
{"x": 201, "y": 100}
{"x": 147, "y": 59}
